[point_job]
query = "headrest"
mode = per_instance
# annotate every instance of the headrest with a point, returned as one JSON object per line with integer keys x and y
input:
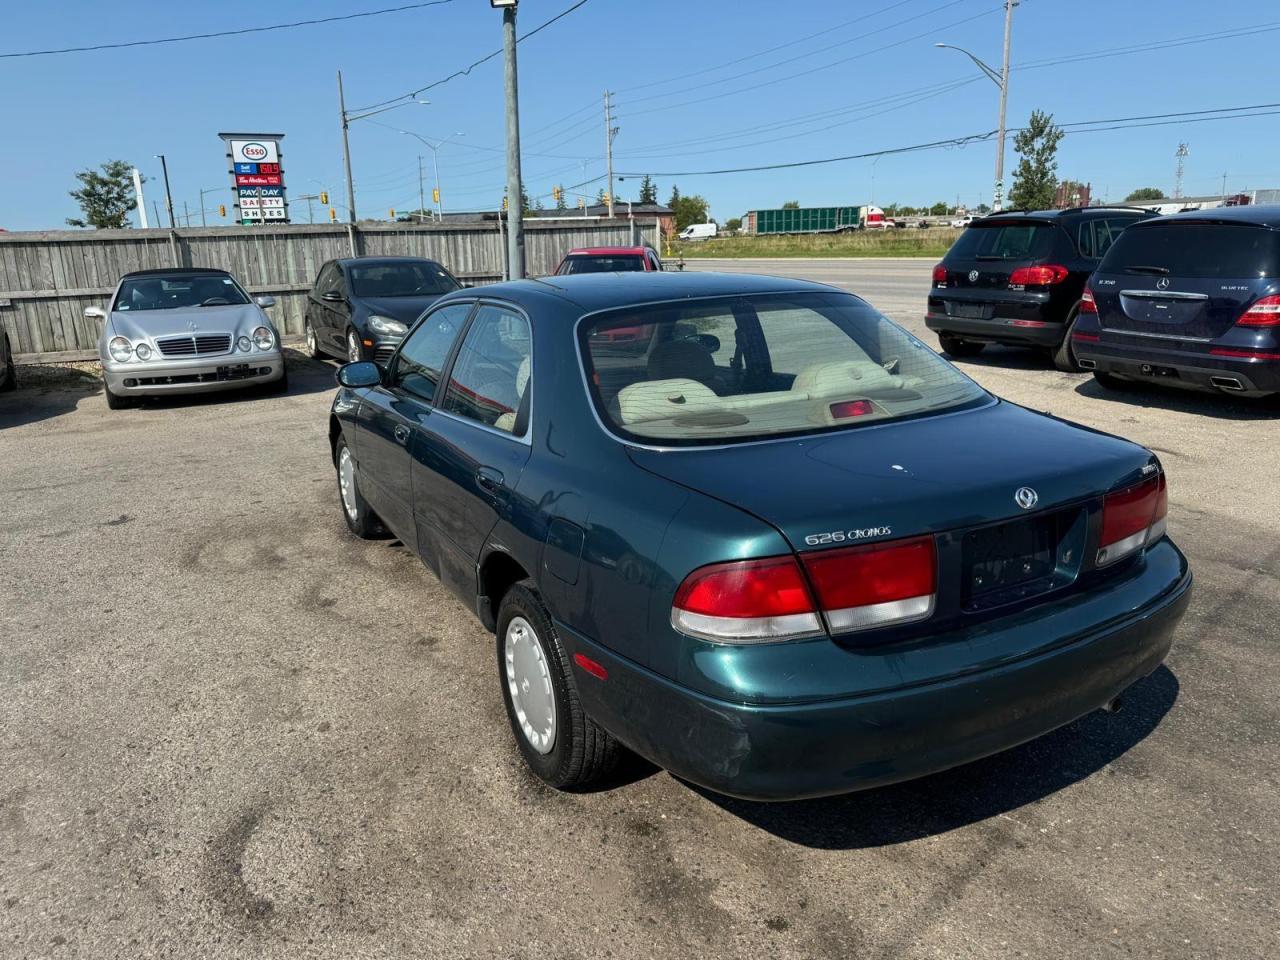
{"x": 681, "y": 359}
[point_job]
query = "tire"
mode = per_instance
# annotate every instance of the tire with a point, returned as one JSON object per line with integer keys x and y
{"x": 361, "y": 519}
{"x": 114, "y": 401}
{"x": 959, "y": 347}
{"x": 355, "y": 349}
{"x": 572, "y": 751}
{"x": 1064, "y": 357}
{"x": 1110, "y": 381}
{"x": 313, "y": 343}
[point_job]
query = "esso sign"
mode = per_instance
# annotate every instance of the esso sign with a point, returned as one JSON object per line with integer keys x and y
{"x": 253, "y": 152}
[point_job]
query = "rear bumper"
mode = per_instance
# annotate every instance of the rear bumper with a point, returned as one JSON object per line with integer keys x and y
{"x": 1149, "y": 361}
{"x": 791, "y": 751}
{"x": 1043, "y": 333}
{"x": 204, "y": 375}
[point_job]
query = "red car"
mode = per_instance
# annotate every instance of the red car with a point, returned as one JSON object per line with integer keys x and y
{"x": 610, "y": 260}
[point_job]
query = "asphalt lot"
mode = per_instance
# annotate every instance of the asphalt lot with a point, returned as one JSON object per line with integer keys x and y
{"x": 228, "y": 728}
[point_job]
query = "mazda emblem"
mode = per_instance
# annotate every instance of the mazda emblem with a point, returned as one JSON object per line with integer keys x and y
{"x": 973, "y": 276}
{"x": 1026, "y": 498}
{"x": 1162, "y": 283}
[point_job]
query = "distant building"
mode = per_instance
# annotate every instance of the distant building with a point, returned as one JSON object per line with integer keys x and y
{"x": 622, "y": 210}
{"x": 1072, "y": 193}
{"x": 1167, "y": 205}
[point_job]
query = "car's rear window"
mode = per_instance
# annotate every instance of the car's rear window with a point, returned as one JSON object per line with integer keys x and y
{"x": 1004, "y": 240}
{"x": 753, "y": 367}
{"x": 1196, "y": 249}
{"x": 602, "y": 264}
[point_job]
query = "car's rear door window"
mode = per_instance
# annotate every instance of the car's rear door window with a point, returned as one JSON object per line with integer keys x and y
{"x": 421, "y": 359}
{"x": 1004, "y": 240}
{"x": 1196, "y": 249}
{"x": 740, "y": 368}
{"x": 602, "y": 264}
{"x": 489, "y": 382}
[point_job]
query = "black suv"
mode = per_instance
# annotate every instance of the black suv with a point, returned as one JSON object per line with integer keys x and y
{"x": 1190, "y": 300}
{"x": 1017, "y": 277}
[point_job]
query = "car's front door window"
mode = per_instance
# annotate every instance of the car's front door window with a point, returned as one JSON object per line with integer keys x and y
{"x": 420, "y": 361}
{"x": 490, "y": 378}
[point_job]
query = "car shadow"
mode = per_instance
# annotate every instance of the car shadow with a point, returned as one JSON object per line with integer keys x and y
{"x": 1156, "y": 397}
{"x": 306, "y": 376}
{"x": 1006, "y": 358}
{"x": 46, "y": 391}
{"x": 971, "y": 793}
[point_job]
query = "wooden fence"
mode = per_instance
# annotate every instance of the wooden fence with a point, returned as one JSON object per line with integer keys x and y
{"x": 47, "y": 279}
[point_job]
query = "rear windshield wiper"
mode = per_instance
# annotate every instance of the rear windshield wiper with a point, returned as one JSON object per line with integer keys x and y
{"x": 1140, "y": 268}
{"x": 989, "y": 256}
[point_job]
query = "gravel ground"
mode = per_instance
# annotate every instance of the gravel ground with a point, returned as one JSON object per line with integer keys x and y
{"x": 228, "y": 728}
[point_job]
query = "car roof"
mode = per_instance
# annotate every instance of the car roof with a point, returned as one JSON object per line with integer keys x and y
{"x": 1261, "y": 215}
{"x": 602, "y": 291}
{"x": 169, "y": 271}
{"x": 608, "y": 252}
{"x": 351, "y": 261}
{"x": 1068, "y": 212}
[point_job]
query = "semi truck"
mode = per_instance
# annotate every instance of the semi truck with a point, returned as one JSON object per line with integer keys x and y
{"x": 814, "y": 220}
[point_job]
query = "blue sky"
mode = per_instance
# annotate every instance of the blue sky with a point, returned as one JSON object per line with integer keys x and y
{"x": 683, "y": 103}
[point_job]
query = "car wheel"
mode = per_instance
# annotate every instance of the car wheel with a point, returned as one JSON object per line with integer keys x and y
{"x": 562, "y": 745}
{"x": 355, "y": 352}
{"x": 1064, "y": 357}
{"x": 1111, "y": 382}
{"x": 364, "y": 523}
{"x": 958, "y": 347}
{"x": 313, "y": 344}
{"x": 114, "y": 401}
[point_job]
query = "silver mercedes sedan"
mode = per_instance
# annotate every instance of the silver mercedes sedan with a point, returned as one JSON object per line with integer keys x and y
{"x": 185, "y": 330}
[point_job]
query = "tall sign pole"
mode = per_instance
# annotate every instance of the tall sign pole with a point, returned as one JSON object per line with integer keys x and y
{"x": 515, "y": 205}
{"x": 346, "y": 161}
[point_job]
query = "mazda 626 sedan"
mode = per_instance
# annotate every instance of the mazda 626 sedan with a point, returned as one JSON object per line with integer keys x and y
{"x": 768, "y": 540}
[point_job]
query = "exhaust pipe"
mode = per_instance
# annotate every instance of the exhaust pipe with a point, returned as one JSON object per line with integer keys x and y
{"x": 1226, "y": 383}
{"x": 1087, "y": 364}
{"x": 1113, "y": 705}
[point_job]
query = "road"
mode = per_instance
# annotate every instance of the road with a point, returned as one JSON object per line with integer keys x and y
{"x": 228, "y": 728}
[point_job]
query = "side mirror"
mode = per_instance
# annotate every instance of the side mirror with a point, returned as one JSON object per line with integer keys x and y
{"x": 265, "y": 301}
{"x": 95, "y": 313}
{"x": 356, "y": 376}
{"x": 332, "y": 296}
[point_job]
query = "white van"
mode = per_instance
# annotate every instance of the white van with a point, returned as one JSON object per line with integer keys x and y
{"x": 699, "y": 231}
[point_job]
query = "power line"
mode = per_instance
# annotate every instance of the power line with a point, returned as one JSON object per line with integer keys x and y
{"x": 227, "y": 33}
{"x": 467, "y": 70}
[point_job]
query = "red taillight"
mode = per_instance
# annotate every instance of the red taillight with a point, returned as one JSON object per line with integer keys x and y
{"x": 1132, "y": 518}
{"x": 874, "y": 585}
{"x": 939, "y": 274}
{"x": 1263, "y": 313}
{"x": 1042, "y": 276}
{"x": 746, "y": 600}
{"x": 845, "y": 409}
{"x": 1087, "y": 303}
{"x": 1244, "y": 354}
{"x": 857, "y": 588}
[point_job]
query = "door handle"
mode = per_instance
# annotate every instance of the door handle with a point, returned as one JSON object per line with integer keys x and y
{"x": 402, "y": 433}
{"x": 489, "y": 480}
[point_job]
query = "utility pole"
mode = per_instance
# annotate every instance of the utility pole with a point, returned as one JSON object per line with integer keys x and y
{"x": 1224, "y": 185}
{"x": 422, "y": 197}
{"x": 155, "y": 208}
{"x": 1181, "y": 155}
{"x": 609, "y": 132}
{"x": 140, "y": 199}
{"x": 346, "y": 162}
{"x": 186, "y": 215}
{"x": 998, "y": 198}
{"x": 168, "y": 197}
{"x": 515, "y": 204}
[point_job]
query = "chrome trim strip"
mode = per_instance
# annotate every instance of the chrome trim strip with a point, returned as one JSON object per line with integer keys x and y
{"x": 1163, "y": 295}
{"x": 1158, "y": 336}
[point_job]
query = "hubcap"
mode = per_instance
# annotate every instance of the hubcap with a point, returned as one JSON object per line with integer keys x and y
{"x": 529, "y": 683}
{"x": 353, "y": 348}
{"x": 311, "y": 339}
{"x": 347, "y": 482}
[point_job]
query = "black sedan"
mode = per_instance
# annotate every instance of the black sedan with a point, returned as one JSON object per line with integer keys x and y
{"x": 359, "y": 308}
{"x": 768, "y": 539}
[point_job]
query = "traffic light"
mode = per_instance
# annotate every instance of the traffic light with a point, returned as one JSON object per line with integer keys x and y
{"x": 222, "y": 209}
{"x": 392, "y": 211}
{"x": 557, "y": 193}
{"x": 333, "y": 215}
{"x": 504, "y": 204}
{"x": 324, "y": 197}
{"x": 582, "y": 203}
{"x": 435, "y": 195}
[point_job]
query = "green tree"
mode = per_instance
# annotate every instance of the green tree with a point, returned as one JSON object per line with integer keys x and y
{"x": 1036, "y": 178}
{"x": 791, "y": 205}
{"x": 601, "y": 200}
{"x": 1145, "y": 193}
{"x": 691, "y": 209}
{"x": 939, "y": 209}
{"x": 733, "y": 223}
{"x": 674, "y": 202}
{"x": 105, "y": 198}
{"x": 648, "y": 190}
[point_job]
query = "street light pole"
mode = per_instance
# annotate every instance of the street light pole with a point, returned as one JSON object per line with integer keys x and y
{"x": 346, "y": 162}
{"x": 422, "y": 199}
{"x": 168, "y": 196}
{"x": 515, "y": 203}
{"x": 1000, "y": 79}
